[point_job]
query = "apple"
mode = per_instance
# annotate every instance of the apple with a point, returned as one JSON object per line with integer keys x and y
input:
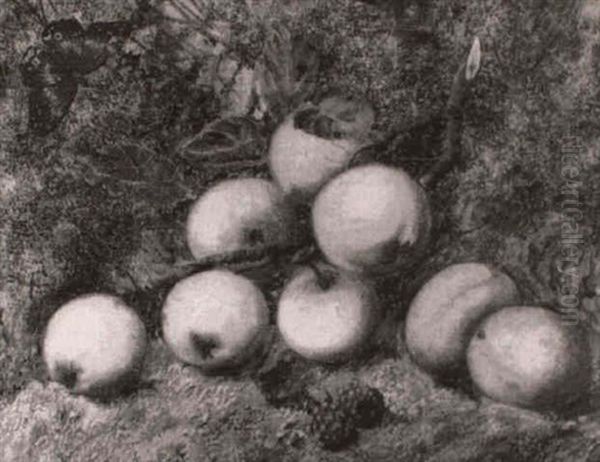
{"x": 448, "y": 308}
{"x": 528, "y": 357}
{"x": 238, "y": 214}
{"x": 301, "y": 162}
{"x": 325, "y": 314}
{"x": 94, "y": 345}
{"x": 317, "y": 142}
{"x": 215, "y": 320}
{"x": 372, "y": 219}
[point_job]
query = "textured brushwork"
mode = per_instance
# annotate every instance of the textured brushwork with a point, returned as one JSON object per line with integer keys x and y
{"x": 491, "y": 106}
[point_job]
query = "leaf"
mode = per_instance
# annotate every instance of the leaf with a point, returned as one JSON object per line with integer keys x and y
{"x": 337, "y": 118}
{"x": 148, "y": 180}
{"x": 286, "y": 71}
{"x": 352, "y": 117}
{"x": 240, "y": 97}
{"x": 474, "y": 60}
{"x": 227, "y": 140}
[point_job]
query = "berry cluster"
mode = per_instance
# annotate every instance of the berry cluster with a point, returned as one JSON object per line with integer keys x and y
{"x": 336, "y": 413}
{"x": 336, "y": 418}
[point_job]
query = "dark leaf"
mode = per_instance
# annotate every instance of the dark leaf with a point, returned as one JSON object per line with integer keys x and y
{"x": 304, "y": 119}
{"x": 286, "y": 72}
{"x": 337, "y": 118}
{"x": 351, "y": 117}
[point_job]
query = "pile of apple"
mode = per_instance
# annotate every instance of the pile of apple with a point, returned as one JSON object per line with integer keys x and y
{"x": 367, "y": 221}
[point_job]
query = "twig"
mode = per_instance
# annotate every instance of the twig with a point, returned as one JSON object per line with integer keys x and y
{"x": 242, "y": 261}
{"x": 42, "y": 13}
{"x": 326, "y": 274}
{"x": 454, "y": 112}
{"x": 388, "y": 144}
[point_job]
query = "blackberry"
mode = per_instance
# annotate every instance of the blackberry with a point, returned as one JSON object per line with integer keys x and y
{"x": 370, "y": 408}
{"x": 332, "y": 423}
{"x": 366, "y": 404}
{"x": 282, "y": 382}
{"x": 337, "y": 416}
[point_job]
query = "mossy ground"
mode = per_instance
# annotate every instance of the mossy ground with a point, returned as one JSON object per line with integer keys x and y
{"x": 99, "y": 205}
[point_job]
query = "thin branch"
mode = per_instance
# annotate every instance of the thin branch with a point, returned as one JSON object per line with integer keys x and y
{"x": 389, "y": 143}
{"x": 242, "y": 260}
{"x": 454, "y": 112}
{"x": 326, "y": 274}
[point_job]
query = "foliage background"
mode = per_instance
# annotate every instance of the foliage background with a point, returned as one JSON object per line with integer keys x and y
{"x": 98, "y": 205}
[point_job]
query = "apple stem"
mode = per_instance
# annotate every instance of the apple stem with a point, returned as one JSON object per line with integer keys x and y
{"x": 67, "y": 374}
{"x": 451, "y": 148}
{"x": 326, "y": 276}
{"x": 204, "y": 345}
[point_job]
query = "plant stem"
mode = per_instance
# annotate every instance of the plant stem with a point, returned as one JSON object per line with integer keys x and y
{"x": 452, "y": 139}
{"x": 451, "y": 148}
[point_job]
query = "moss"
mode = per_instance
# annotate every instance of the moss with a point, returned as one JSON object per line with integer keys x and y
{"x": 82, "y": 211}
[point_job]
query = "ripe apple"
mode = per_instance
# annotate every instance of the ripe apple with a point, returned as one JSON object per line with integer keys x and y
{"x": 371, "y": 219}
{"x": 301, "y": 162}
{"x": 317, "y": 142}
{"x": 327, "y": 314}
{"x": 526, "y": 356}
{"x": 447, "y": 310}
{"x": 215, "y": 320}
{"x": 238, "y": 214}
{"x": 95, "y": 345}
